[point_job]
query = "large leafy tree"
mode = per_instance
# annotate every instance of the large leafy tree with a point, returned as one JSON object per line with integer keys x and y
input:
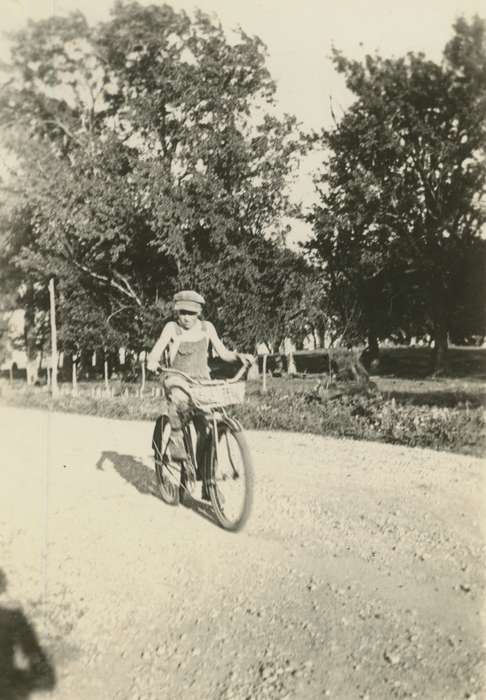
{"x": 401, "y": 193}
{"x": 149, "y": 155}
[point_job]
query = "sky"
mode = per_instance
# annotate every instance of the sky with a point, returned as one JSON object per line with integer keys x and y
{"x": 299, "y": 35}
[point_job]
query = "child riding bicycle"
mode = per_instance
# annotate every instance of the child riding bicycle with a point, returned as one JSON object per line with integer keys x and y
{"x": 187, "y": 340}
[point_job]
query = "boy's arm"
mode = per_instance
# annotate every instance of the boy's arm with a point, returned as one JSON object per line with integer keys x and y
{"x": 221, "y": 350}
{"x": 153, "y": 359}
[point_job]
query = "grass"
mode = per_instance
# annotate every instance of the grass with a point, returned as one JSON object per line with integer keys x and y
{"x": 406, "y": 407}
{"x": 414, "y": 363}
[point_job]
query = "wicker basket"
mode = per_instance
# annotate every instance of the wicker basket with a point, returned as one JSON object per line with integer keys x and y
{"x": 219, "y": 393}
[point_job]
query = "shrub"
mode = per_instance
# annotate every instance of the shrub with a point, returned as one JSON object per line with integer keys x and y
{"x": 366, "y": 416}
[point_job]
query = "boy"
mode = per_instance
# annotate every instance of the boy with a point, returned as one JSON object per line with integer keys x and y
{"x": 187, "y": 340}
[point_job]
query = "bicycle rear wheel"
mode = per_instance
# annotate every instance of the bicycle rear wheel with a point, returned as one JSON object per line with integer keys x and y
{"x": 168, "y": 475}
{"x": 231, "y": 478}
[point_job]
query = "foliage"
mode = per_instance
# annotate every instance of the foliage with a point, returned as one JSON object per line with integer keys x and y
{"x": 358, "y": 416}
{"x": 150, "y": 154}
{"x": 400, "y": 195}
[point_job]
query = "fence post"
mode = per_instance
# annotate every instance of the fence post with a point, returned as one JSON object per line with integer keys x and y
{"x": 264, "y": 373}
{"x": 75, "y": 375}
{"x": 105, "y": 369}
{"x": 142, "y": 362}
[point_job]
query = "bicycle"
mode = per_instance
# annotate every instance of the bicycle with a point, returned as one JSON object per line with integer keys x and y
{"x": 226, "y": 461}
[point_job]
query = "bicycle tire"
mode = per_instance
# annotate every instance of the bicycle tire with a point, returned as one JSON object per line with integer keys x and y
{"x": 232, "y": 523}
{"x": 188, "y": 469}
{"x": 168, "y": 490}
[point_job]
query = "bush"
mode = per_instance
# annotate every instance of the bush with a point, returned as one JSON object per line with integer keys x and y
{"x": 364, "y": 416}
{"x": 369, "y": 417}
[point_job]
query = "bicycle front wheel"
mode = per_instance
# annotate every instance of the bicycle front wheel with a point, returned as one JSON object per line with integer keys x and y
{"x": 168, "y": 475}
{"x": 232, "y": 478}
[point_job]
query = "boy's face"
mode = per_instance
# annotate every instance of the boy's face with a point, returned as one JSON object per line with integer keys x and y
{"x": 187, "y": 319}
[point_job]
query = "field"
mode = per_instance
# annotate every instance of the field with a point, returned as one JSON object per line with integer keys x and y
{"x": 404, "y": 407}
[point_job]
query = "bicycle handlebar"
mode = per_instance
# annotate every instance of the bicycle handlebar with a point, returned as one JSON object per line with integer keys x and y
{"x": 243, "y": 369}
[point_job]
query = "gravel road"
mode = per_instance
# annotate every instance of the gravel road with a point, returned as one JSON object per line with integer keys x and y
{"x": 360, "y": 573}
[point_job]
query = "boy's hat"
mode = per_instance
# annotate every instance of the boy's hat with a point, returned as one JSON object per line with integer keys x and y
{"x": 188, "y": 300}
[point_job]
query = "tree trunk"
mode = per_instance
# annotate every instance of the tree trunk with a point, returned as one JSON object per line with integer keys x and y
{"x": 373, "y": 347}
{"x": 291, "y": 369}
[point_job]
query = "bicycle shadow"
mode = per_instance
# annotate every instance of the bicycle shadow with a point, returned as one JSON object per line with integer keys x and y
{"x": 142, "y": 478}
{"x": 24, "y": 666}
{"x": 201, "y": 508}
{"x": 132, "y": 470}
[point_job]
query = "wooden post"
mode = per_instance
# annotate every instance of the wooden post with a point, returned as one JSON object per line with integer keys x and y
{"x": 264, "y": 374}
{"x": 52, "y": 300}
{"x": 142, "y": 362}
{"x": 75, "y": 375}
{"x": 105, "y": 366}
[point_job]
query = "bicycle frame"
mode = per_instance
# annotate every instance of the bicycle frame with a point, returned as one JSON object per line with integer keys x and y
{"x": 225, "y": 465}
{"x": 214, "y": 419}
{"x": 214, "y": 416}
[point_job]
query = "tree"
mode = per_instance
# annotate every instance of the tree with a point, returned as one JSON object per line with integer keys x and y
{"x": 5, "y": 350}
{"x": 150, "y": 155}
{"x": 400, "y": 197}
{"x": 469, "y": 316}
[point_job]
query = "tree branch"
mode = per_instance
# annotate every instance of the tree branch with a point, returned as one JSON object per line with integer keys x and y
{"x": 125, "y": 288}
{"x": 63, "y": 128}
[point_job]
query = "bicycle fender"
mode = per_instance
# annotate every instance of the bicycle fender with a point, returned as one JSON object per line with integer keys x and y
{"x": 232, "y": 423}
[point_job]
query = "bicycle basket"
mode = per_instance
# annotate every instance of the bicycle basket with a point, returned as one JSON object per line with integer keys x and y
{"x": 219, "y": 394}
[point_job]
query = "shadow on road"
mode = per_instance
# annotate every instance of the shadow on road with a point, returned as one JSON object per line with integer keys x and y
{"x": 132, "y": 470}
{"x": 201, "y": 508}
{"x": 136, "y": 473}
{"x": 24, "y": 666}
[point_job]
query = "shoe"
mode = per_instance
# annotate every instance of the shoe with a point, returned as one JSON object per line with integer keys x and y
{"x": 176, "y": 447}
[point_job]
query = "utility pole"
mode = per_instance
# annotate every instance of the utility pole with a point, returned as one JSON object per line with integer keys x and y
{"x": 54, "y": 385}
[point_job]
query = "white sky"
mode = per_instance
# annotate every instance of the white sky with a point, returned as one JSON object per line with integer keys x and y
{"x": 299, "y": 36}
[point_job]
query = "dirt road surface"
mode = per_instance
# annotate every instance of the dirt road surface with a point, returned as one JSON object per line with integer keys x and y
{"x": 360, "y": 573}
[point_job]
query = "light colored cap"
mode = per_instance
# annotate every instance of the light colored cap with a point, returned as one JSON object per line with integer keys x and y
{"x": 188, "y": 300}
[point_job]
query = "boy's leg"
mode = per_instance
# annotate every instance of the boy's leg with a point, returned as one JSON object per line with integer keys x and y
{"x": 178, "y": 410}
{"x": 201, "y": 427}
